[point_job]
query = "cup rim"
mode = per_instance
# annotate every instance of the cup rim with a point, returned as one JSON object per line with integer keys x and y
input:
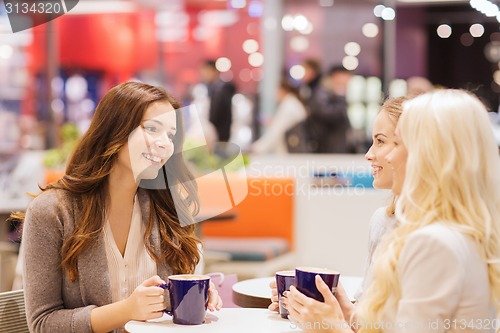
{"x": 286, "y": 273}
{"x": 316, "y": 270}
{"x": 199, "y": 277}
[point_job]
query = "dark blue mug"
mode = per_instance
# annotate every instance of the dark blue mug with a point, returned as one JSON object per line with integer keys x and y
{"x": 284, "y": 279}
{"x": 188, "y": 298}
{"x": 305, "y": 283}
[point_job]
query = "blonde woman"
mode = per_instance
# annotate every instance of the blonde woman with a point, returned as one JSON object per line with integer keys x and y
{"x": 382, "y": 220}
{"x": 439, "y": 270}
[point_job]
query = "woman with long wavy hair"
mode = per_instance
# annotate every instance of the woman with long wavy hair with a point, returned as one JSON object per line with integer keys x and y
{"x": 97, "y": 241}
{"x": 382, "y": 220}
{"x": 439, "y": 271}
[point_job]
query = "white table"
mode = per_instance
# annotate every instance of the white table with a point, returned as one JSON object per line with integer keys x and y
{"x": 228, "y": 320}
{"x": 253, "y": 292}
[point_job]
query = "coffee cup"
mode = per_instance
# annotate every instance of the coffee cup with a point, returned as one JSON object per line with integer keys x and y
{"x": 306, "y": 284}
{"x": 188, "y": 298}
{"x": 284, "y": 279}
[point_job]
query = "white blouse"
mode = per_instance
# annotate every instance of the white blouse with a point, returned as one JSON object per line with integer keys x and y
{"x": 380, "y": 225}
{"x": 127, "y": 272}
{"x": 130, "y": 270}
{"x": 444, "y": 285}
{"x": 289, "y": 113}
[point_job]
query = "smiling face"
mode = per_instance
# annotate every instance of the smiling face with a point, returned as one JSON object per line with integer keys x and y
{"x": 397, "y": 160}
{"x": 383, "y": 143}
{"x": 151, "y": 144}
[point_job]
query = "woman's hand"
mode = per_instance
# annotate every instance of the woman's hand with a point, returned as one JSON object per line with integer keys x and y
{"x": 147, "y": 301}
{"x": 214, "y": 300}
{"x": 314, "y": 316}
{"x": 348, "y": 309}
{"x": 274, "y": 306}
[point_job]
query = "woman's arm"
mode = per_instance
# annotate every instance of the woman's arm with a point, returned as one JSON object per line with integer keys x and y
{"x": 44, "y": 282}
{"x": 42, "y": 272}
{"x": 146, "y": 302}
{"x": 431, "y": 278}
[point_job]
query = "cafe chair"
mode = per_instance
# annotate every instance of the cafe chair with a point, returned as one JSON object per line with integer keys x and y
{"x": 258, "y": 239}
{"x": 12, "y": 312}
{"x": 8, "y": 259}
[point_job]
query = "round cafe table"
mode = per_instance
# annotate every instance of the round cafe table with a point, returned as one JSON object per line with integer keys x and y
{"x": 255, "y": 293}
{"x": 228, "y": 320}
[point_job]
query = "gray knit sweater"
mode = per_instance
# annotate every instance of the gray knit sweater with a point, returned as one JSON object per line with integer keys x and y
{"x": 380, "y": 225}
{"x": 54, "y": 303}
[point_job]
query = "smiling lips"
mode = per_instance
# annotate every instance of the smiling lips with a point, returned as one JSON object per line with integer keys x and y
{"x": 152, "y": 158}
{"x": 376, "y": 169}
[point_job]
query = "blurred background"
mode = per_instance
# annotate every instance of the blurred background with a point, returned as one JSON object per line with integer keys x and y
{"x": 53, "y": 75}
{"x": 57, "y": 72}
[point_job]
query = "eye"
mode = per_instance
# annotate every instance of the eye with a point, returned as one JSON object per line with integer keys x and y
{"x": 171, "y": 136}
{"x": 380, "y": 142}
{"x": 151, "y": 129}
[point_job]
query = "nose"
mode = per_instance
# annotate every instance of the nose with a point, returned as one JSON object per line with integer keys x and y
{"x": 162, "y": 141}
{"x": 369, "y": 156}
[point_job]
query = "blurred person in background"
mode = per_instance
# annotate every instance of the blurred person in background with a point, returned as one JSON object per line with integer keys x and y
{"x": 290, "y": 112}
{"x": 95, "y": 243}
{"x": 221, "y": 95}
{"x": 21, "y": 169}
{"x": 311, "y": 81}
{"x": 328, "y": 123}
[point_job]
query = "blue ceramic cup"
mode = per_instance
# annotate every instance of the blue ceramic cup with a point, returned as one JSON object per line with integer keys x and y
{"x": 284, "y": 279}
{"x": 304, "y": 281}
{"x": 188, "y": 298}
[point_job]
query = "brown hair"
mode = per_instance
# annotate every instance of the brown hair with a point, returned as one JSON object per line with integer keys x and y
{"x": 120, "y": 112}
{"x": 291, "y": 89}
{"x": 314, "y": 64}
{"x": 394, "y": 108}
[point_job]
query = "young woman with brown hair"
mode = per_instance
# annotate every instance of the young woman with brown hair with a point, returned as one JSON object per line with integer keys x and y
{"x": 97, "y": 241}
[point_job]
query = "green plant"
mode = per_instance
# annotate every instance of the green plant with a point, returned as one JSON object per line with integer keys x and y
{"x": 55, "y": 158}
{"x": 206, "y": 159}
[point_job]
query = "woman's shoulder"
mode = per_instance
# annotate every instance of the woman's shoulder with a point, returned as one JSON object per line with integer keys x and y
{"x": 49, "y": 203}
{"x": 439, "y": 232}
{"x": 380, "y": 219}
{"x": 291, "y": 101}
{"x": 441, "y": 238}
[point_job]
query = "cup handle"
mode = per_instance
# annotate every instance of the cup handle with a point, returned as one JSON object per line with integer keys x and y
{"x": 166, "y": 286}
{"x": 220, "y": 275}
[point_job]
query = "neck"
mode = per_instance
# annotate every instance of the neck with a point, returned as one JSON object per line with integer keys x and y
{"x": 122, "y": 189}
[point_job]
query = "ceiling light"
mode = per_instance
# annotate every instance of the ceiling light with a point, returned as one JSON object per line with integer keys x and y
{"x": 476, "y": 30}
{"x": 444, "y": 31}
{"x": 378, "y": 10}
{"x": 388, "y": 14}
{"x": 297, "y": 72}
{"x": 370, "y": 30}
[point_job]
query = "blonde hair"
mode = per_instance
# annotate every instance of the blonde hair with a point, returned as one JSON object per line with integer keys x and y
{"x": 453, "y": 177}
{"x": 394, "y": 108}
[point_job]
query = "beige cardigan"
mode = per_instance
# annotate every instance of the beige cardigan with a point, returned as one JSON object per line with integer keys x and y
{"x": 53, "y": 302}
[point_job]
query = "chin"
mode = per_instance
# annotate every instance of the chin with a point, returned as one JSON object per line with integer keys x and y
{"x": 379, "y": 185}
{"x": 148, "y": 173}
